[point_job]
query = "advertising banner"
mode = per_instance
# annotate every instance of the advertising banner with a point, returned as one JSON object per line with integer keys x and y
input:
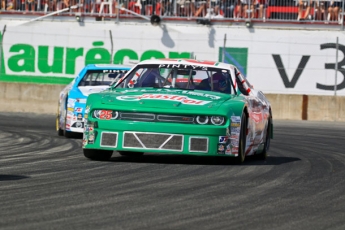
{"x": 278, "y": 61}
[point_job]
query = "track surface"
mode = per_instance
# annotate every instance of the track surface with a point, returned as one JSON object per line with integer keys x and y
{"x": 46, "y": 183}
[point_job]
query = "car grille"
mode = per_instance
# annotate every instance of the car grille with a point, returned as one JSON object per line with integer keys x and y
{"x": 153, "y": 141}
{"x": 157, "y": 117}
{"x": 109, "y": 139}
{"x": 137, "y": 116}
{"x": 198, "y": 144}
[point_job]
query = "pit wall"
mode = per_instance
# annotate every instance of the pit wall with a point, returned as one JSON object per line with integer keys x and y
{"x": 43, "y": 98}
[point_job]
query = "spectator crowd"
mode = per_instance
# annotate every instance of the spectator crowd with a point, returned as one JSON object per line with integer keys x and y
{"x": 299, "y": 10}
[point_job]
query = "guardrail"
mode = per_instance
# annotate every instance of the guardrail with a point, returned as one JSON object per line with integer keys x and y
{"x": 294, "y": 11}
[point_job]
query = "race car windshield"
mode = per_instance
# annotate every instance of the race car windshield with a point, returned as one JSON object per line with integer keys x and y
{"x": 101, "y": 77}
{"x": 185, "y": 77}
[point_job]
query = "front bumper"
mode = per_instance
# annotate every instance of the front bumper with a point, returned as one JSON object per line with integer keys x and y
{"x": 160, "y": 138}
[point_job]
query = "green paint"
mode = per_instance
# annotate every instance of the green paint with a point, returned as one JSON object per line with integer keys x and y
{"x": 71, "y": 56}
{"x": 36, "y": 79}
{"x": 121, "y": 54}
{"x": 97, "y": 55}
{"x": 43, "y": 61}
{"x": 26, "y": 59}
{"x": 235, "y": 56}
{"x": 179, "y": 55}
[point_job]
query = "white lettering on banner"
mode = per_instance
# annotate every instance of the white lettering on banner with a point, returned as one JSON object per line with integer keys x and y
{"x": 177, "y": 98}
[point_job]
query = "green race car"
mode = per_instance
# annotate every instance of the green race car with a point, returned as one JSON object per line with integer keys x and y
{"x": 179, "y": 106}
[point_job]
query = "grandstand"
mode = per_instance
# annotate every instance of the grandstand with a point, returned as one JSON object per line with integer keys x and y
{"x": 306, "y": 12}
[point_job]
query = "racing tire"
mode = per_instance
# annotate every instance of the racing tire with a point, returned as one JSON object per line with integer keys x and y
{"x": 58, "y": 130}
{"x": 242, "y": 142}
{"x": 130, "y": 154}
{"x": 263, "y": 154}
{"x": 97, "y": 154}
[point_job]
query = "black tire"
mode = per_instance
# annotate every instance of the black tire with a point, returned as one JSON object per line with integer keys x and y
{"x": 242, "y": 142}
{"x": 97, "y": 154}
{"x": 130, "y": 154}
{"x": 58, "y": 130}
{"x": 263, "y": 154}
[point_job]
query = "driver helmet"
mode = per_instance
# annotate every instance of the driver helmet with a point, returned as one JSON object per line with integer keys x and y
{"x": 219, "y": 82}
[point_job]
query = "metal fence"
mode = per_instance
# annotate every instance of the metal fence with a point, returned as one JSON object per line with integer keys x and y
{"x": 315, "y": 11}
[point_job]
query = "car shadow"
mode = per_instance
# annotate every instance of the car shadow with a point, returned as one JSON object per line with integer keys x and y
{"x": 201, "y": 160}
{"x": 11, "y": 177}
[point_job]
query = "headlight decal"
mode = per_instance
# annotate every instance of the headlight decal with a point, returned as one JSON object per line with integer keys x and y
{"x": 217, "y": 120}
{"x": 105, "y": 114}
{"x": 202, "y": 120}
{"x": 210, "y": 120}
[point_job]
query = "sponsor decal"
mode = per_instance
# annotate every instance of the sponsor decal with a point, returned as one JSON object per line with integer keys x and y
{"x": 183, "y": 66}
{"x": 84, "y": 142}
{"x": 21, "y": 57}
{"x": 234, "y": 136}
{"x": 236, "y": 119}
{"x": 235, "y": 151}
{"x": 87, "y": 109}
{"x": 70, "y": 109}
{"x": 91, "y": 138}
{"x": 221, "y": 149}
{"x": 70, "y": 113}
{"x": 70, "y": 102}
{"x": 228, "y": 150}
{"x": 201, "y": 95}
{"x": 235, "y": 124}
{"x": 86, "y": 116}
{"x": 78, "y": 110}
{"x": 82, "y": 101}
{"x": 235, "y": 130}
{"x": 234, "y": 143}
{"x": 223, "y": 139}
{"x": 164, "y": 97}
{"x": 80, "y": 116}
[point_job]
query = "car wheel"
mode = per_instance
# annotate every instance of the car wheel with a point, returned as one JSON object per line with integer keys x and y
{"x": 263, "y": 154}
{"x": 242, "y": 142}
{"x": 130, "y": 154}
{"x": 59, "y": 131}
{"x": 97, "y": 154}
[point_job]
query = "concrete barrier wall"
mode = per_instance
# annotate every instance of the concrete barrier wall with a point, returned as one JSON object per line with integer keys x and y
{"x": 43, "y": 98}
{"x": 29, "y": 98}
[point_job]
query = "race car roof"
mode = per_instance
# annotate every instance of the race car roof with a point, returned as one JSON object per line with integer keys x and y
{"x": 107, "y": 66}
{"x": 189, "y": 62}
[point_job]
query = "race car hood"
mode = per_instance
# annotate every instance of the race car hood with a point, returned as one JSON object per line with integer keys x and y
{"x": 165, "y": 99}
{"x": 87, "y": 90}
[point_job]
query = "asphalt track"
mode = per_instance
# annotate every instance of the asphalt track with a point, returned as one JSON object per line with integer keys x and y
{"x": 46, "y": 183}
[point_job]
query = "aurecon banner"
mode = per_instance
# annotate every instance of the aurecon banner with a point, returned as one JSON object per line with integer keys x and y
{"x": 275, "y": 61}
